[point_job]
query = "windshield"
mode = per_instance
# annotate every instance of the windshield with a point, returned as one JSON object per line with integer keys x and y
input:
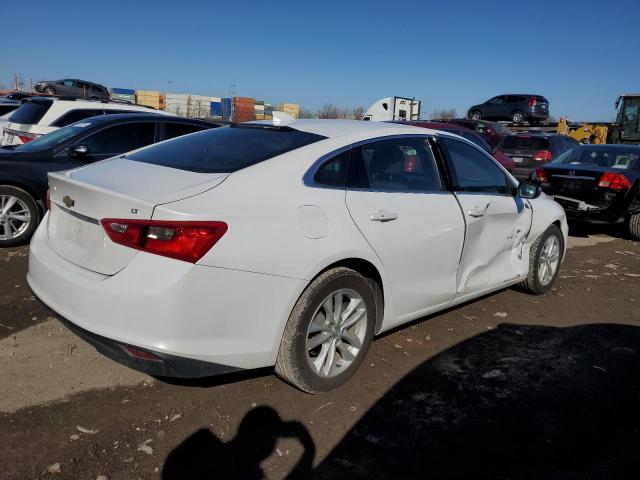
{"x": 226, "y": 149}
{"x": 55, "y": 138}
{"x": 600, "y": 157}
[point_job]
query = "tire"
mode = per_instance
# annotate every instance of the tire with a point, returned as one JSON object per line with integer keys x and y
{"x": 50, "y": 91}
{"x": 533, "y": 283}
{"x": 475, "y": 115}
{"x": 295, "y": 357}
{"x": 633, "y": 224}
{"x": 517, "y": 116}
{"x": 23, "y": 205}
{"x": 613, "y": 135}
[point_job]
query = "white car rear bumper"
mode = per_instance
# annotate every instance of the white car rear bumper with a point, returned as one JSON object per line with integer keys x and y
{"x": 218, "y": 315}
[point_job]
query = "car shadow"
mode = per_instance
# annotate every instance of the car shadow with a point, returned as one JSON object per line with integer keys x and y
{"x": 518, "y": 402}
{"x": 583, "y": 229}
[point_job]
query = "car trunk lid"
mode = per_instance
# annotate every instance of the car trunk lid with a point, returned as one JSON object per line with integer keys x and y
{"x": 523, "y": 149}
{"x": 116, "y": 188}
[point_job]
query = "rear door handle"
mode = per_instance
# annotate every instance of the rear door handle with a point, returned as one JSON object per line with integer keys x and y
{"x": 477, "y": 212}
{"x": 383, "y": 216}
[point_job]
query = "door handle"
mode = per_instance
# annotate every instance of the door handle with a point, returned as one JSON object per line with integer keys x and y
{"x": 383, "y": 216}
{"x": 477, "y": 212}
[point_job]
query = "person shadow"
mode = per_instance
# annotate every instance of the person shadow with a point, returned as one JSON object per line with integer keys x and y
{"x": 204, "y": 456}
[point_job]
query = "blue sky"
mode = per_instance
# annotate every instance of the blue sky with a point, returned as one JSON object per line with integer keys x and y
{"x": 351, "y": 53}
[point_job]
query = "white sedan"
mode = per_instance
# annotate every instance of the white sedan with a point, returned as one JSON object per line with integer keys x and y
{"x": 290, "y": 244}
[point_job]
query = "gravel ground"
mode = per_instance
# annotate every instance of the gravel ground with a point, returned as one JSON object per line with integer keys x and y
{"x": 510, "y": 386}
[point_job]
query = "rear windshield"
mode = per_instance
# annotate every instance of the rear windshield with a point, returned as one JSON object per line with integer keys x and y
{"x": 30, "y": 113}
{"x": 540, "y": 98}
{"x": 600, "y": 157}
{"x": 226, "y": 149}
{"x": 517, "y": 141}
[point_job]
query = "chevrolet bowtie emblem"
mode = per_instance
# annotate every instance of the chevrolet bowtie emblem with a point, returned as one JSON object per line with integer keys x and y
{"x": 68, "y": 201}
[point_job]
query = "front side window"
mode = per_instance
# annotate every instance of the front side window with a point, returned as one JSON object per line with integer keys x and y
{"x": 120, "y": 139}
{"x": 496, "y": 100}
{"x": 403, "y": 164}
{"x": 68, "y": 83}
{"x": 472, "y": 170}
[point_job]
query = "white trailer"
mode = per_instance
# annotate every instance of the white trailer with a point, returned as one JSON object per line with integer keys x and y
{"x": 393, "y": 108}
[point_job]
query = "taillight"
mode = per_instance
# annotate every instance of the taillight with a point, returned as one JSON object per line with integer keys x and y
{"x": 25, "y": 139}
{"x": 187, "y": 241}
{"x": 542, "y": 156}
{"x": 48, "y": 199}
{"x": 541, "y": 175}
{"x": 614, "y": 181}
{"x": 533, "y": 102}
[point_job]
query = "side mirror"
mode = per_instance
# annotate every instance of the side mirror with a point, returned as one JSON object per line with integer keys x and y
{"x": 529, "y": 190}
{"x": 78, "y": 150}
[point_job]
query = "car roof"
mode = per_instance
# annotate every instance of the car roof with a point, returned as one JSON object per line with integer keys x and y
{"x": 336, "y": 128}
{"x": 117, "y": 117}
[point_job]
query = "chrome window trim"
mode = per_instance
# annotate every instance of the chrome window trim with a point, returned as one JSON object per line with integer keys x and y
{"x": 309, "y": 181}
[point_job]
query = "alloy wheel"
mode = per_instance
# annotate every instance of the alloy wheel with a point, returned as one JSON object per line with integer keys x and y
{"x": 549, "y": 260}
{"x": 14, "y": 217}
{"x": 336, "y": 333}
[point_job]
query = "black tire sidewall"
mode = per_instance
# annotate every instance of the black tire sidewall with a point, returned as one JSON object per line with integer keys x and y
{"x": 33, "y": 210}
{"x": 354, "y": 282}
{"x": 552, "y": 230}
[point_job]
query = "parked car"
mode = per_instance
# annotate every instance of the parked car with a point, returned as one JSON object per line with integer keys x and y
{"x": 492, "y": 132}
{"x": 289, "y": 244}
{"x": 8, "y": 105}
{"x": 596, "y": 183}
{"x": 531, "y": 150}
{"x": 41, "y": 115}
{"x": 24, "y": 168}
{"x": 518, "y": 108}
{"x": 470, "y": 135}
{"x": 16, "y": 95}
{"x": 72, "y": 87}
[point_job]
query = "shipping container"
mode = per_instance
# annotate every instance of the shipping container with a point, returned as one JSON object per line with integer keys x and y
{"x": 227, "y": 109}
{"x": 216, "y": 109}
{"x": 123, "y": 91}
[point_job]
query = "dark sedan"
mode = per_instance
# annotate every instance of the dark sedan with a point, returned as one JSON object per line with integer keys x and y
{"x": 24, "y": 168}
{"x": 596, "y": 183}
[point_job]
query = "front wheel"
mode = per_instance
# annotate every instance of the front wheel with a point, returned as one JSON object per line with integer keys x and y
{"x": 19, "y": 216}
{"x": 544, "y": 261}
{"x": 329, "y": 331}
{"x": 475, "y": 115}
{"x": 50, "y": 91}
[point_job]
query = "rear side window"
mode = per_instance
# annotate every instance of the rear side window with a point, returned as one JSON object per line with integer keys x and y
{"x": 30, "y": 113}
{"x": 120, "y": 139}
{"x": 225, "y": 149}
{"x": 517, "y": 141}
{"x": 472, "y": 170}
{"x": 403, "y": 165}
{"x": 75, "y": 116}
{"x": 172, "y": 130}
{"x": 333, "y": 173}
{"x": 4, "y": 109}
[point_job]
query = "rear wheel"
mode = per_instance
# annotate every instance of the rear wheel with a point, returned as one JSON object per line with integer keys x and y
{"x": 19, "y": 216}
{"x": 544, "y": 261}
{"x": 633, "y": 224}
{"x": 517, "y": 117}
{"x": 475, "y": 115}
{"x": 329, "y": 331}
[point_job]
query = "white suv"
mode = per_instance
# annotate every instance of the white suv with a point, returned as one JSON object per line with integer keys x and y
{"x": 38, "y": 116}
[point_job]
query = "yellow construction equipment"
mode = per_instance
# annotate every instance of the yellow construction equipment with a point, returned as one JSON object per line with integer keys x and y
{"x": 584, "y": 133}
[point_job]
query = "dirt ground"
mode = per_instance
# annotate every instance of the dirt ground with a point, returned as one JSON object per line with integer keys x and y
{"x": 511, "y": 386}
